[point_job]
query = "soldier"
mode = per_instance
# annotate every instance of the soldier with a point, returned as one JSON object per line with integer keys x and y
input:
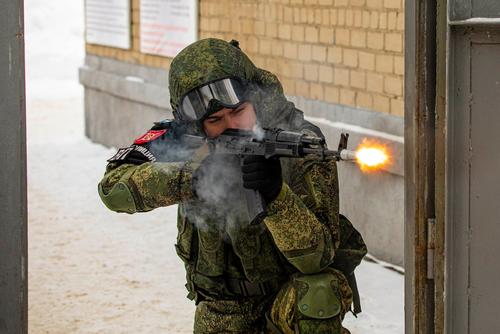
{"x": 276, "y": 275}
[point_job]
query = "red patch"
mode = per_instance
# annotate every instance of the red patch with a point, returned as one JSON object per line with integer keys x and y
{"x": 149, "y": 136}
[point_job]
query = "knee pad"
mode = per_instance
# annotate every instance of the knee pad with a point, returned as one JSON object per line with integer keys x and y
{"x": 314, "y": 303}
{"x": 316, "y": 297}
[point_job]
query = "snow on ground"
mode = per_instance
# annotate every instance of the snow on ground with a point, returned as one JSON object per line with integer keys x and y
{"x": 95, "y": 271}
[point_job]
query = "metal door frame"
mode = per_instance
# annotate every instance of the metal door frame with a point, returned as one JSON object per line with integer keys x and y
{"x": 425, "y": 102}
{"x": 13, "y": 200}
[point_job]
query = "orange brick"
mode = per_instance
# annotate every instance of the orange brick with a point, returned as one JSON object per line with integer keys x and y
{"x": 253, "y": 44}
{"x": 215, "y": 25}
{"x": 310, "y": 15}
{"x": 259, "y": 28}
{"x": 318, "y": 53}
{"x": 382, "y": 23}
{"x": 316, "y": 91}
{"x": 375, "y": 82}
{"x": 366, "y": 19}
{"x": 399, "y": 65}
{"x": 358, "y": 38}
{"x": 318, "y": 16}
{"x": 331, "y": 94}
{"x": 277, "y": 49}
{"x": 342, "y": 37}
{"x": 384, "y": 63}
{"x": 364, "y": 100}
{"x": 401, "y": 22}
{"x": 305, "y": 52}
{"x": 350, "y": 58}
{"x": 326, "y": 74}
{"x": 374, "y": 20}
{"x": 349, "y": 18}
{"x": 381, "y": 103}
{"x": 259, "y": 61}
{"x": 225, "y": 25}
{"x": 393, "y": 85}
{"x": 265, "y": 46}
{"x": 311, "y": 34}
{"x": 333, "y": 17}
{"x": 296, "y": 70}
{"x": 204, "y": 23}
{"x": 358, "y": 79}
{"x": 285, "y": 31}
{"x": 366, "y": 61}
{"x": 303, "y": 15}
{"x": 326, "y": 17}
{"x": 271, "y": 29}
{"x": 290, "y": 50}
{"x": 347, "y": 97}
{"x": 311, "y": 72}
{"x": 326, "y": 35}
{"x": 334, "y": 55}
{"x": 392, "y": 4}
{"x": 374, "y": 3}
{"x": 269, "y": 11}
{"x": 392, "y": 18}
{"x": 298, "y": 33}
{"x": 394, "y": 42}
{"x": 325, "y": 2}
{"x": 358, "y": 18}
{"x": 235, "y": 26}
{"x": 302, "y": 88}
{"x": 341, "y": 17}
{"x": 288, "y": 14}
{"x": 375, "y": 40}
{"x": 341, "y": 77}
{"x": 397, "y": 107}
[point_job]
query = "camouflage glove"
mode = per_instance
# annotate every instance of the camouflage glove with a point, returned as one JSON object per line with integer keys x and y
{"x": 263, "y": 175}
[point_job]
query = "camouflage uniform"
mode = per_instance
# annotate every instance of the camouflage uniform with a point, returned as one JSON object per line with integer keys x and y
{"x": 241, "y": 275}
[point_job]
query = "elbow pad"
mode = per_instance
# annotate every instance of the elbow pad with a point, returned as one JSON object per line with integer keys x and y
{"x": 119, "y": 198}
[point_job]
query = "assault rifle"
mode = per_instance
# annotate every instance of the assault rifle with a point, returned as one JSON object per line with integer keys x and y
{"x": 270, "y": 143}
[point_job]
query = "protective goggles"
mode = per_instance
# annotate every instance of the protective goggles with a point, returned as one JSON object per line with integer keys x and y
{"x": 227, "y": 92}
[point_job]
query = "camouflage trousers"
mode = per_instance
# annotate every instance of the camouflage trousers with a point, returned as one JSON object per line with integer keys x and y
{"x": 272, "y": 314}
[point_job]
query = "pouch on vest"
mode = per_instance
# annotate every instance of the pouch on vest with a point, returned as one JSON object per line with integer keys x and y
{"x": 348, "y": 256}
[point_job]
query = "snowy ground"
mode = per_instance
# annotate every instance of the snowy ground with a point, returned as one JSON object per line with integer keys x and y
{"x": 95, "y": 271}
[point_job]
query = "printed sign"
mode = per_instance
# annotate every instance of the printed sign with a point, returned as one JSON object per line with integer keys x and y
{"x": 167, "y": 26}
{"x": 107, "y": 22}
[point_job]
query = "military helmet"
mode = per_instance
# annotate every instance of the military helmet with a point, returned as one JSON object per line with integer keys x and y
{"x": 213, "y": 69}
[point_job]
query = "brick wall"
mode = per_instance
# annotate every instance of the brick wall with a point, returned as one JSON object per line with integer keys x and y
{"x": 341, "y": 51}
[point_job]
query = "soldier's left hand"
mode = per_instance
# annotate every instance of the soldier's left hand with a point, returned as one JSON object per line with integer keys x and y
{"x": 263, "y": 175}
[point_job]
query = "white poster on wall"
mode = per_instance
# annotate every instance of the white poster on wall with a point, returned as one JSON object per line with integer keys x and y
{"x": 167, "y": 26}
{"x": 107, "y": 22}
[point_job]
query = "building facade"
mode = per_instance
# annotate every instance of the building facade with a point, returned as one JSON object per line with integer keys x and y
{"x": 340, "y": 61}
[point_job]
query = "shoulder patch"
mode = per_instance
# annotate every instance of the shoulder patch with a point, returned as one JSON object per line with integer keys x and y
{"x": 149, "y": 136}
{"x": 121, "y": 154}
{"x": 133, "y": 154}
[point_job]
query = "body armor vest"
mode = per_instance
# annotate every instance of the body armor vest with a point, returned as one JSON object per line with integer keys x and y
{"x": 217, "y": 243}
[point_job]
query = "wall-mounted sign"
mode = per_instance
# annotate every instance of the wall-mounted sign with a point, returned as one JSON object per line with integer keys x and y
{"x": 167, "y": 26}
{"x": 107, "y": 22}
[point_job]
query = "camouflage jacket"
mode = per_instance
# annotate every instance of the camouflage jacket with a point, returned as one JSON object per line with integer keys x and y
{"x": 300, "y": 231}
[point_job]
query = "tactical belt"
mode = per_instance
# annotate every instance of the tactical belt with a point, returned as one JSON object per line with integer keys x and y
{"x": 248, "y": 289}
